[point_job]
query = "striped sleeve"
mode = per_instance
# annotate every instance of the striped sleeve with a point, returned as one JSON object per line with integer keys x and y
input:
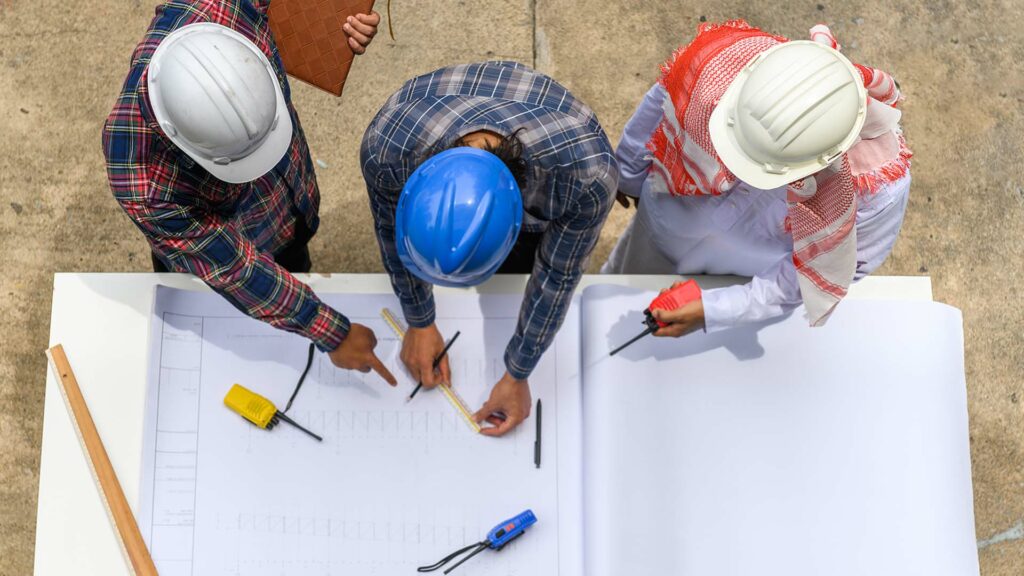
{"x": 561, "y": 261}
{"x": 209, "y": 247}
{"x": 204, "y": 243}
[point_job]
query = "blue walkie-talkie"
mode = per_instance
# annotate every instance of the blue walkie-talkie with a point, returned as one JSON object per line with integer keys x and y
{"x": 497, "y": 538}
{"x": 510, "y": 529}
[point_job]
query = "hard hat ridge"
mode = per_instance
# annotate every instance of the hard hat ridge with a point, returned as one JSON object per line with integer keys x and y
{"x": 234, "y": 88}
{"x": 781, "y": 116}
{"x": 457, "y": 253}
{"x": 789, "y": 113}
{"x": 217, "y": 97}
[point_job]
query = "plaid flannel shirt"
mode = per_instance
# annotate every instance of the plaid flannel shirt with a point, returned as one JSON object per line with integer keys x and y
{"x": 571, "y": 181}
{"x": 224, "y": 233}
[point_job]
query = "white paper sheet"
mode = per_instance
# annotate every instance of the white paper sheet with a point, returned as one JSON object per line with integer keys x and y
{"x": 779, "y": 449}
{"x": 393, "y": 486}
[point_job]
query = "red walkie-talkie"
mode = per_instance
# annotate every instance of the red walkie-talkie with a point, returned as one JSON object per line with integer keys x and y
{"x": 674, "y": 298}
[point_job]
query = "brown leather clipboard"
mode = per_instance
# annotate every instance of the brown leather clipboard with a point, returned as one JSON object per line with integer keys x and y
{"x": 311, "y": 42}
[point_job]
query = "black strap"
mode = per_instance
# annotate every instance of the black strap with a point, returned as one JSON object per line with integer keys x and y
{"x": 309, "y": 363}
{"x": 450, "y": 557}
{"x": 479, "y": 549}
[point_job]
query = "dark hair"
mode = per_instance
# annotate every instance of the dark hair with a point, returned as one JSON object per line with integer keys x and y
{"x": 509, "y": 151}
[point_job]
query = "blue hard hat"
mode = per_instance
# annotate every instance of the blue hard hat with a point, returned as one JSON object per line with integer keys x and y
{"x": 458, "y": 217}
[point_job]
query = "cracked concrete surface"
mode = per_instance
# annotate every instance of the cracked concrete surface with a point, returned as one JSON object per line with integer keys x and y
{"x": 1016, "y": 532}
{"x": 959, "y": 63}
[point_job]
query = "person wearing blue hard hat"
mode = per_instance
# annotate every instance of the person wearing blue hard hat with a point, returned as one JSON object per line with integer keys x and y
{"x": 480, "y": 169}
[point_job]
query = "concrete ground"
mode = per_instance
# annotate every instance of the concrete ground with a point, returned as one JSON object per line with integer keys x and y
{"x": 958, "y": 62}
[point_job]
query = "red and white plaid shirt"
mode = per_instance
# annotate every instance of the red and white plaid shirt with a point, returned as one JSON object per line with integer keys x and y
{"x": 224, "y": 233}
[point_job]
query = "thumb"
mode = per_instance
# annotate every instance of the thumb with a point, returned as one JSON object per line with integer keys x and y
{"x": 667, "y": 316}
{"x": 658, "y": 314}
{"x": 446, "y": 370}
{"x": 483, "y": 412}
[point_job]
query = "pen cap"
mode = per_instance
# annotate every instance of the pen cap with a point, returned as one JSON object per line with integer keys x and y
{"x": 250, "y": 405}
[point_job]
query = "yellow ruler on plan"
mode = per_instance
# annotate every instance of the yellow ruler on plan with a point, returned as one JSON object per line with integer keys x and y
{"x": 453, "y": 397}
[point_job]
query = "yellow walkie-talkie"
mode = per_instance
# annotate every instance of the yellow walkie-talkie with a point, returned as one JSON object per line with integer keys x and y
{"x": 258, "y": 410}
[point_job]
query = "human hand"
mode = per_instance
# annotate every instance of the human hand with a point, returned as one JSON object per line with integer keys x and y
{"x": 356, "y": 353}
{"x": 419, "y": 348}
{"x": 360, "y": 30}
{"x": 623, "y": 199}
{"x": 682, "y": 320}
{"x": 509, "y": 397}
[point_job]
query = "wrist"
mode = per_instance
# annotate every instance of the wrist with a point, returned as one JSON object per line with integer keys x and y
{"x": 512, "y": 368}
{"x": 329, "y": 329}
{"x": 431, "y": 326}
{"x": 700, "y": 314}
{"x": 513, "y": 380}
{"x": 419, "y": 314}
{"x": 720, "y": 307}
{"x": 512, "y": 373}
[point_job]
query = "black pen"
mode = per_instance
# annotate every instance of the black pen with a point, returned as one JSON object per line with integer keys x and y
{"x": 437, "y": 362}
{"x": 536, "y": 443}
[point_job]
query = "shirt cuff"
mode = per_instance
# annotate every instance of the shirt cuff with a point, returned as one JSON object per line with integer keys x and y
{"x": 328, "y": 328}
{"x": 722, "y": 307}
{"x": 421, "y": 314}
{"x": 518, "y": 364}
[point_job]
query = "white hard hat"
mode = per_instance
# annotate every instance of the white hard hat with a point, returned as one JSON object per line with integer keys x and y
{"x": 788, "y": 114}
{"x": 216, "y": 96}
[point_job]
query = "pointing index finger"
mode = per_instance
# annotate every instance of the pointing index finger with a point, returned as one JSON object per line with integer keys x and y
{"x": 382, "y": 370}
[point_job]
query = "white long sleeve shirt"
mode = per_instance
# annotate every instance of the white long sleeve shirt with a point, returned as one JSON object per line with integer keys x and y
{"x": 739, "y": 232}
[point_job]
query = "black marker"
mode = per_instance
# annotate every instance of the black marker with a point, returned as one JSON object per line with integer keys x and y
{"x": 536, "y": 443}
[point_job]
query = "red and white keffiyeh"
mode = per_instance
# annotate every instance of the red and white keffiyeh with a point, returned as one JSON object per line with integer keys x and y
{"x": 822, "y": 207}
{"x": 881, "y": 156}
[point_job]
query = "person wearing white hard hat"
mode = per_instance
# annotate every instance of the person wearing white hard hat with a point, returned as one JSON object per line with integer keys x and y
{"x": 206, "y": 155}
{"x": 758, "y": 156}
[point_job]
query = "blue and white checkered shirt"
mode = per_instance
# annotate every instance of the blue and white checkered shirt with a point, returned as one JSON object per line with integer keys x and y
{"x": 570, "y": 186}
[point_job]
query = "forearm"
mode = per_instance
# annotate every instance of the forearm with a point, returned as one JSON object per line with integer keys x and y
{"x": 561, "y": 259}
{"x": 415, "y": 295}
{"x": 545, "y": 304}
{"x": 632, "y": 154}
{"x": 767, "y": 295}
{"x": 252, "y": 282}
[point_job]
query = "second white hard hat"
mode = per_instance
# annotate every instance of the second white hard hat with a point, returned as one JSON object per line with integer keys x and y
{"x": 788, "y": 114}
{"x": 216, "y": 96}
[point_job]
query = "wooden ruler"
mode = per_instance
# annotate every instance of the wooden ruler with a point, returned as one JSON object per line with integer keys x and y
{"x": 133, "y": 547}
{"x": 453, "y": 397}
